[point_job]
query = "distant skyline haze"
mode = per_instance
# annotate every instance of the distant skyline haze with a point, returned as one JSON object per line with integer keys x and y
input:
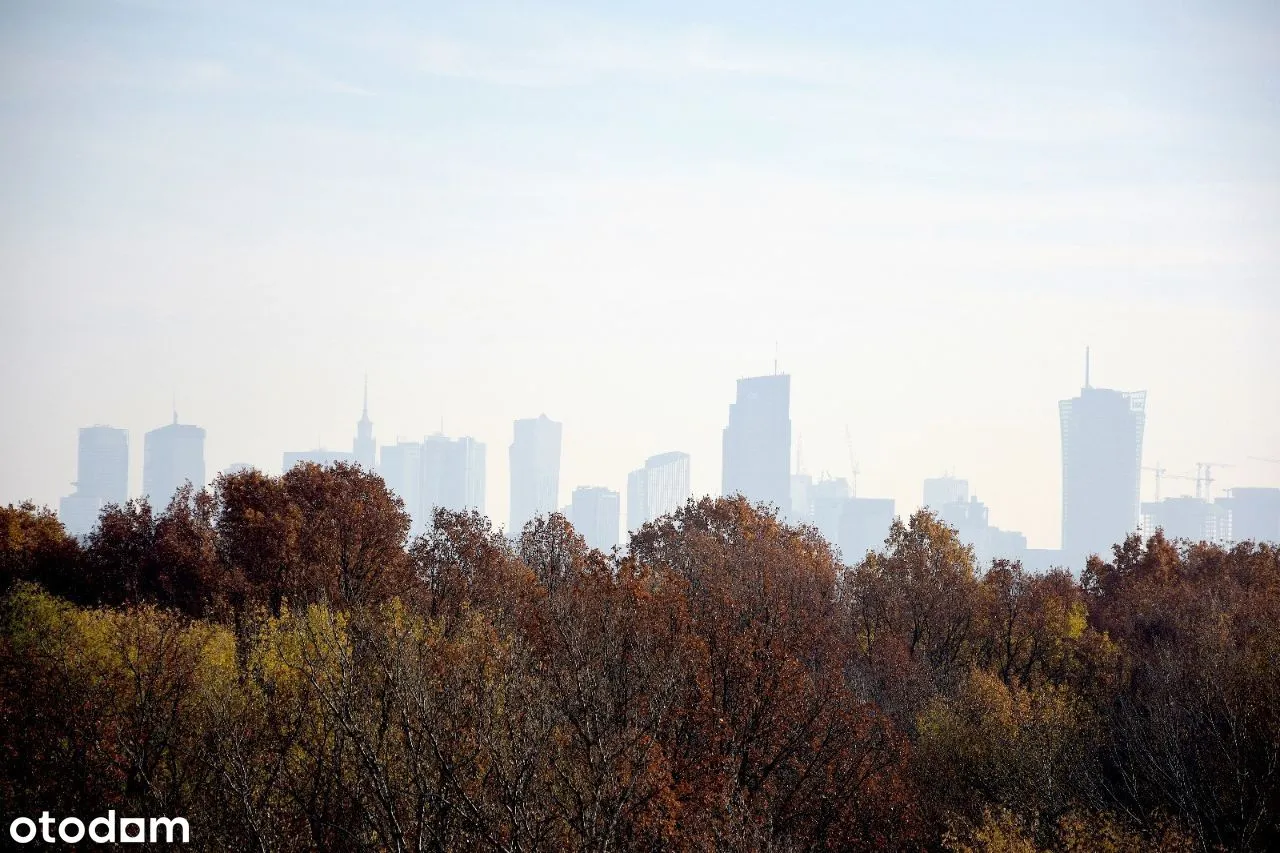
{"x": 611, "y": 213}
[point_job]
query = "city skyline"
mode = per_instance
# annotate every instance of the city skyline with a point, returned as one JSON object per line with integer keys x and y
{"x": 611, "y": 213}
{"x": 448, "y": 472}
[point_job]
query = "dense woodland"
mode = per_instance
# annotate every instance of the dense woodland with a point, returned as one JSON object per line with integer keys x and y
{"x": 273, "y": 660}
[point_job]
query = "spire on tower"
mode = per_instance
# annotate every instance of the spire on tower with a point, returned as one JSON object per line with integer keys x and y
{"x": 365, "y": 413}
{"x": 1086, "y": 367}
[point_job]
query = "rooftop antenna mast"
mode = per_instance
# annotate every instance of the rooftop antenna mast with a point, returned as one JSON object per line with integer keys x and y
{"x": 775, "y": 358}
{"x": 1086, "y": 367}
{"x": 175, "y": 407}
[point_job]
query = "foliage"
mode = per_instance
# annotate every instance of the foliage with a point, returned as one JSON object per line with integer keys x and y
{"x": 274, "y": 661}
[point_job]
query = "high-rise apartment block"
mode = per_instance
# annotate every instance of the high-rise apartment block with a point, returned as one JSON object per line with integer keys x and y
{"x": 660, "y": 487}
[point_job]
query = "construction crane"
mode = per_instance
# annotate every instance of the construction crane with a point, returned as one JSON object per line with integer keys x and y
{"x": 1159, "y": 471}
{"x": 1265, "y": 459}
{"x": 1207, "y": 468}
{"x": 853, "y": 465}
{"x": 1162, "y": 473}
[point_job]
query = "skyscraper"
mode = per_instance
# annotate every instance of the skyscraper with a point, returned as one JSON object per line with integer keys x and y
{"x": 102, "y": 477}
{"x": 660, "y": 487}
{"x": 757, "y": 442}
{"x": 102, "y": 464}
{"x": 172, "y": 455}
{"x": 940, "y": 491}
{"x": 1101, "y": 468}
{"x": 594, "y": 513}
{"x": 468, "y": 471}
{"x": 363, "y": 449}
{"x": 401, "y": 469}
{"x": 453, "y": 473}
{"x": 535, "y": 470}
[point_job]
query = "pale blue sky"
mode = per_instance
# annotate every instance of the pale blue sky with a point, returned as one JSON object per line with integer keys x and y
{"x": 608, "y": 212}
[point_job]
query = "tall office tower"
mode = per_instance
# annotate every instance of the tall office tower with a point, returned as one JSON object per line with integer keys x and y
{"x": 363, "y": 449}
{"x": 102, "y": 464}
{"x": 535, "y": 470}
{"x": 171, "y": 455}
{"x": 102, "y": 477}
{"x": 400, "y": 466}
{"x": 453, "y": 473}
{"x": 1101, "y": 468}
{"x": 318, "y": 457}
{"x": 660, "y": 487}
{"x": 594, "y": 513}
{"x": 864, "y": 525}
{"x": 1255, "y": 514}
{"x": 828, "y": 498}
{"x": 757, "y": 442}
{"x": 940, "y": 491}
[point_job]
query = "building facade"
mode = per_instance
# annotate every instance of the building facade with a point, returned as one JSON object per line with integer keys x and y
{"x": 535, "y": 470}
{"x": 594, "y": 513}
{"x": 172, "y": 455}
{"x": 940, "y": 491}
{"x": 827, "y": 499}
{"x": 864, "y": 526}
{"x": 400, "y": 466}
{"x": 757, "y": 442}
{"x": 1255, "y": 514}
{"x": 660, "y": 487}
{"x": 1189, "y": 518}
{"x": 453, "y": 474}
{"x": 102, "y": 477}
{"x": 1102, "y": 434}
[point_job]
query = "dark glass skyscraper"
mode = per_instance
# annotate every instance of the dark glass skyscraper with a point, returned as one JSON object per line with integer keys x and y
{"x": 757, "y": 442}
{"x": 1101, "y": 469}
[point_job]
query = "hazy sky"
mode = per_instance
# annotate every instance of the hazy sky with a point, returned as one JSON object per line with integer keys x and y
{"x": 609, "y": 212}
